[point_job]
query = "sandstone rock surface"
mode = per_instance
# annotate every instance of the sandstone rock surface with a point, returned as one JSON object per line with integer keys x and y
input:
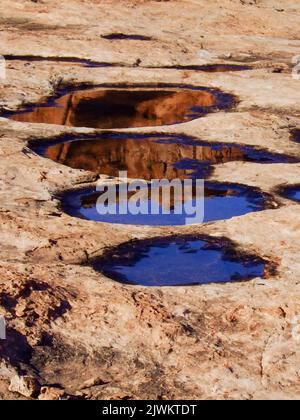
{"x": 67, "y": 324}
{"x": 24, "y": 385}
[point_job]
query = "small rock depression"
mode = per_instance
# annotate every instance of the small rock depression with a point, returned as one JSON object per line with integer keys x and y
{"x": 150, "y": 156}
{"x": 175, "y": 261}
{"x": 292, "y": 192}
{"x": 125, "y": 108}
{"x": 221, "y": 201}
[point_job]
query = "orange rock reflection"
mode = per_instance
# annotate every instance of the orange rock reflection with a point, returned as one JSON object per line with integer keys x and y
{"x": 121, "y": 108}
{"x": 146, "y": 159}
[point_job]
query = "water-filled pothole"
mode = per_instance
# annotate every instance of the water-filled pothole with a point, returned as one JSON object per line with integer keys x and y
{"x": 67, "y": 60}
{"x": 221, "y": 201}
{"x": 126, "y": 107}
{"x": 85, "y": 62}
{"x": 296, "y": 136}
{"x": 126, "y": 37}
{"x": 183, "y": 260}
{"x": 149, "y": 156}
{"x": 212, "y": 68}
{"x": 292, "y": 192}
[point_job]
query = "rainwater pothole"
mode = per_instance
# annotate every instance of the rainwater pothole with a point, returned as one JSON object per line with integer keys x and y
{"x": 292, "y": 192}
{"x": 183, "y": 260}
{"x": 110, "y": 108}
{"x": 150, "y": 156}
{"x": 153, "y": 208}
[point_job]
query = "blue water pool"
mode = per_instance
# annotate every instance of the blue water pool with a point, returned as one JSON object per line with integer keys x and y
{"x": 221, "y": 201}
{"x": 174, "y": 261}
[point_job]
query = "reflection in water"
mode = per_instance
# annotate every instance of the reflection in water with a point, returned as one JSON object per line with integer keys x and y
{"x": 292, "y": 192}
{"x": 112, "y": 108}
{"x": 178, "y": 261}
{"x": 142, "y": 158}
{"x": 126, "y": 37}
{"x": 221, "y": 201}
{"x": 60, "y": 60}
{"x": 117, "y": 109}
{"x": 213, "y": 68}
{"x": 150, "y": 156}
